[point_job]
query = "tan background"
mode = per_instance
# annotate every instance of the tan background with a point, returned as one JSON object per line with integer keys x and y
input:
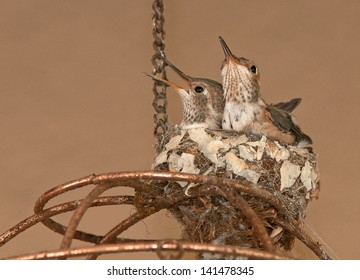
{"x": 74, "y": 100}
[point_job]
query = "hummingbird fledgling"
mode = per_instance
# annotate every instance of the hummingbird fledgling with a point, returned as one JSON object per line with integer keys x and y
{"x": 246, "y": 111}
{"x": 202, "y": 101}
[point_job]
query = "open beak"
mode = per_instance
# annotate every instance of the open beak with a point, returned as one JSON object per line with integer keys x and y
{"x": 179, "y": 89}
{"x": 165, "y": 82}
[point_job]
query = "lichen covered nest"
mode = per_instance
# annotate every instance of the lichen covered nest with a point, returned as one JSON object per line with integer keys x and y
{"x": 286, "y": 171}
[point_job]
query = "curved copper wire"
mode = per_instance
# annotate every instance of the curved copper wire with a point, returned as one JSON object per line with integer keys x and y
{"x": 110, "y": 180}
{"x": 59, "y": 209}
{"x": 137, "y": 180}
{"x": 154, "y": 246}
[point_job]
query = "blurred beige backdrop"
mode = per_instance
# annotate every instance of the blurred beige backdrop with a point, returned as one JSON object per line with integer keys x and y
{"x": 74, "y": 100}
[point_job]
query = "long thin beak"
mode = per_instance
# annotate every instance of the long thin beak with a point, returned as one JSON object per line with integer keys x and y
{"x": 185, "y": 77}
{"x": 165, "y": 82}
{"x": 227, "y": 51}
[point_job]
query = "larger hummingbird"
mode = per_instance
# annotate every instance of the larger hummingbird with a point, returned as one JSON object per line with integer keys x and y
{"x": 246, "y": 111}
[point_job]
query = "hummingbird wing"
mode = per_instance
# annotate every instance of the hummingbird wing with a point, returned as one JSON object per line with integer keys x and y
{"x": 284, "y": 121}
{"x": 288, "y": 106}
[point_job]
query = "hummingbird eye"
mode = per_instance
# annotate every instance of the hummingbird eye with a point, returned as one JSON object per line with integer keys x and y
{"x": 199, "y": 89}
{"x": 253, "y": 69}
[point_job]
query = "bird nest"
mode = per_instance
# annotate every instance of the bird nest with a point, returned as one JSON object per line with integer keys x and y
{"x": 270, "y": 171}
{"x": 235, "y": 197}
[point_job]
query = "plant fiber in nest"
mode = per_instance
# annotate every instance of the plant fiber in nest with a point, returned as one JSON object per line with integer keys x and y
{"x": 288, "y": 172}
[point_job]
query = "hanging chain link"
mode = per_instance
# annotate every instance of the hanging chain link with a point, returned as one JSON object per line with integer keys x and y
{"x": 160, "y": 117}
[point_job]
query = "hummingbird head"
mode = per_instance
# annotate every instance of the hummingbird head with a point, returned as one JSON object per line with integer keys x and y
{"x": 202, "y": 99}
{"x": 241, "y": 77}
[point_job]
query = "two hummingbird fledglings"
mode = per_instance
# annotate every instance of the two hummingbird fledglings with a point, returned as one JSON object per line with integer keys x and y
{"x": 236, "y": 104}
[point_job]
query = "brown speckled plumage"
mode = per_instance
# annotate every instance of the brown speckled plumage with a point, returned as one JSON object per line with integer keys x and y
{"x": 246, "y": 111}
{"x": 202, "y": 101}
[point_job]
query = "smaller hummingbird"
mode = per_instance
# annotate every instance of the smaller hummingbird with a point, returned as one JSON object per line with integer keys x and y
{"x": 246, "y": 111}
{"x": 202, "y": 101}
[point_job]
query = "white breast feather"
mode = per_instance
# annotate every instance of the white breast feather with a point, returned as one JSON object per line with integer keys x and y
{"x": 238, "y": 116}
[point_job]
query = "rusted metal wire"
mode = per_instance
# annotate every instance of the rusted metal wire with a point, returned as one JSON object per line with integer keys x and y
{"x": 141, "y": 181}
{"x": 160, "y": 117}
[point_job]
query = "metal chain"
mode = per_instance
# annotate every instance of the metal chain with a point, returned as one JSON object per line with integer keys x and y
{"x": 160, "y": 117}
